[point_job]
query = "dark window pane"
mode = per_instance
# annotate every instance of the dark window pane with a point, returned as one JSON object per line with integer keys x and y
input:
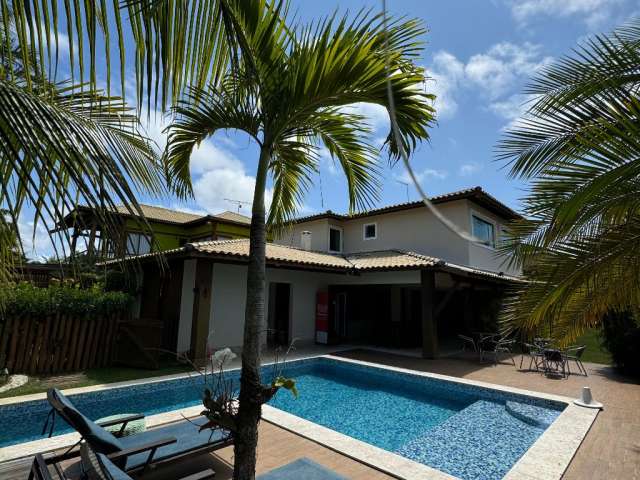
{"x": 334, "y": 240}
{"x": 370, "y": 231}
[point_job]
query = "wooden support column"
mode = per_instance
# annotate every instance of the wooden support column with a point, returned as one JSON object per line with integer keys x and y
{"x": 201, "y": 308}
{"x": 429, "y": 327}
{"x": 467, "y": 314}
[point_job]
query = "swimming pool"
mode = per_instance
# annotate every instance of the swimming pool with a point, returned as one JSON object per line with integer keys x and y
{"x": 464, "y": 430}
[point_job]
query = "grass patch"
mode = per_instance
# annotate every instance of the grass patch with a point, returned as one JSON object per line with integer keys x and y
{"x": 94, "y": 376}
{"x": 594, "y": 353}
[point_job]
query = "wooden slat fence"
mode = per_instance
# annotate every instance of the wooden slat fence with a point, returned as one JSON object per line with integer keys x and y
{"x": 57, "y": 343}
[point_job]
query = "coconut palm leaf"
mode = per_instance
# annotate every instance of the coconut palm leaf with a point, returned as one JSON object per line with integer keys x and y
{"x": 579, "y": 146}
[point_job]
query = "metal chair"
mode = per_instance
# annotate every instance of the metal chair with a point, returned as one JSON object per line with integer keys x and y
{"x": 497, "y": 347}
{"x": 554, "y": 362}
{"x": 574, "y": 354}
{"x": 534, "y": 352}
{"x": 468, "y": 342}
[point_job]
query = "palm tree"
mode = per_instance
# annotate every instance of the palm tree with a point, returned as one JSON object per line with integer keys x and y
{"x": 65, "y": 142}
{"x": 579, "y": 147}
{"x": 289, "y": 95}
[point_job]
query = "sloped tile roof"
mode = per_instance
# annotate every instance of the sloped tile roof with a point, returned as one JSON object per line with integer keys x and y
{"x": 274, "y": 253}
{"x": 234, "y": 217}
{"x": 162, "y": 214}
{"x": 363, "y": 261}
{"x": 476, "y": 194}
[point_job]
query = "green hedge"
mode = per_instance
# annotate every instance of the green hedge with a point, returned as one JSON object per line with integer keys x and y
{"x": 26, "y": 299}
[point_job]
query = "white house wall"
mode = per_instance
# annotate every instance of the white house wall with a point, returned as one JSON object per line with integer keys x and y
{"x": 485, "y": 257}
{"x": 226, "y": 322}
{"x": 186, "y": 305}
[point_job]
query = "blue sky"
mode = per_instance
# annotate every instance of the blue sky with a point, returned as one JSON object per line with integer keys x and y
{"x": 479, "y": 55}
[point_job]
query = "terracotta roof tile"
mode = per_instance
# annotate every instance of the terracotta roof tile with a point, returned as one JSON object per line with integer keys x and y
{"x": 162, "y": 214}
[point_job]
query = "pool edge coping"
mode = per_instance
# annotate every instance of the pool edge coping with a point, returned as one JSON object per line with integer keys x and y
{"x": 538, "y": 463}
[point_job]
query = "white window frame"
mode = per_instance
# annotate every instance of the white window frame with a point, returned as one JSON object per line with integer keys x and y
{"x": 484, "y": 218}
{"x": 364, "y": 231}
{"x": 333, "y": 227}
{"x": 136, "y": 246}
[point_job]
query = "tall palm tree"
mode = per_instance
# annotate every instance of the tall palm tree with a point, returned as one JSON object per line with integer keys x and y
{"x": 289, "y": 95}
{"x": 65, "y": 142}
{"x": 579, "y": 146}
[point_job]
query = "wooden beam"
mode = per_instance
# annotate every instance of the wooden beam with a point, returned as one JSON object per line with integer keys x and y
{"x": 444, "y": 302}
{"x": 201, "y": 308}
{"x": 429, "y": 327}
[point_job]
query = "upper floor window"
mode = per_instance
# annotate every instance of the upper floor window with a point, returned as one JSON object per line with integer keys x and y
{"x": 335, "y": 239}
{"x": 138, "y": 244}
{"x": 370, "y": 231}
{"x": 483, "y": 231}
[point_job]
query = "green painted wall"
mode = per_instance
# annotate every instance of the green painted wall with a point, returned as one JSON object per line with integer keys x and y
{"x": 170, "y": 236}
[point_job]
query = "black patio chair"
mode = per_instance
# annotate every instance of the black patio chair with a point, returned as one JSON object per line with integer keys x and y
{"x": 574, "y": 354}
{"x": 468, "y": 343}
{"x": 534, "y": 352}
{"x": 495, "y": 348}
{"x": 554, "y": 362}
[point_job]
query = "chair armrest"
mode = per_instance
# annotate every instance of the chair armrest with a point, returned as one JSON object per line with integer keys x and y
{"x": 118, "y": 421}
{"x": 151, "y": 446}
{"x": 203, "y": 475}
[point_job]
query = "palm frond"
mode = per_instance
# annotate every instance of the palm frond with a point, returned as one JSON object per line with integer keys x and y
{"x": 59, "y": 151}
{"x": 578, "y": 144}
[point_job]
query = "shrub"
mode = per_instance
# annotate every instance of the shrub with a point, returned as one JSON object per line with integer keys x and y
{"x": 621, "y": 336}
{"x": 27, "y": 299}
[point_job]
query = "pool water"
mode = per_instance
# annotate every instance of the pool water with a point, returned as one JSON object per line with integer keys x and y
{"x": 467, "y": 431}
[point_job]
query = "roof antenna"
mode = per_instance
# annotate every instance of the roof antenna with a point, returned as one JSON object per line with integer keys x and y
{"x": 238, "y": 203}
{"x": 406, "y": 186}
{"x": 321, "y": 194}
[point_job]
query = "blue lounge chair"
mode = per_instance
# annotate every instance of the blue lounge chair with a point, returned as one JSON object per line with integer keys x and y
{"x": 137, "y": 452}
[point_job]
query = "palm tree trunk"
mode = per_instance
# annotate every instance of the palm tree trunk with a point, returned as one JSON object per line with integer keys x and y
{"x": 246, "y": 435}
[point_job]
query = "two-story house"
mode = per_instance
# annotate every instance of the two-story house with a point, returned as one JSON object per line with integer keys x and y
{"x": 391, "y": 277}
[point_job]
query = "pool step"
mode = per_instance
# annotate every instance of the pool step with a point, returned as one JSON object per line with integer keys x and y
{"x": 481, "y": 441}
{"x": 530, "y": 414}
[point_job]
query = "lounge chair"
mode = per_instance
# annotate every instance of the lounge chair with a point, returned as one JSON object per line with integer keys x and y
{"x": 137, "y": 452}
{"x": 574, "y": 354}
{"x": 102, "y": 468}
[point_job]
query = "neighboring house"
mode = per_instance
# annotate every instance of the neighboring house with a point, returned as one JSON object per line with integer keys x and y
{"x": 393, "y": 277}
{"x": 169, "y": 229}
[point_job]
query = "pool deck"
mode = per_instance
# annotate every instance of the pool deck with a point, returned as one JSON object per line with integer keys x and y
{"x": 610, "y": 450}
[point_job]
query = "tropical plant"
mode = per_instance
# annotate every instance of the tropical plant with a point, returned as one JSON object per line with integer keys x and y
{"x": 579, "y": 147}
{"x": 289, "y": 93}
{"x": 66, "y": 142}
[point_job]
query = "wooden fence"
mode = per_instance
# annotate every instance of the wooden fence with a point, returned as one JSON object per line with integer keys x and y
{"x": 57, "y": 343}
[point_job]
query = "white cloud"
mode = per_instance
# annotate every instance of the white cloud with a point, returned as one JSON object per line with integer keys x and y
{"x": 37, "y": 244}
{"x": 593, "y": 12}
{"x": 497, "y": 70}
{"x": 512, "y": 108}
{"x": 217, "y": 174}
{"x": 491, "y": 75}
{"x": 468, "y": 169}
{"x": 377, "y": 115}
{"x": 447, "y": 72}
{"x": 423, "y": 175}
